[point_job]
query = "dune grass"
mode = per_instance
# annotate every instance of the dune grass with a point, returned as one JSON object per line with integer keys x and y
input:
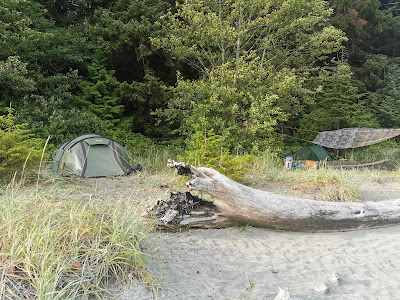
{"x": 56, "y": 245}
{"x": 333, "y": 184}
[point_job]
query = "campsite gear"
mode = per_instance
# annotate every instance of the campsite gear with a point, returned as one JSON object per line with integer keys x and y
{"x": 91, "y": 155}
{"x": 310, "y": 164}
{"x": 315, "y": 153}
{"x": 136, "y": 168}
{"x": 296, "y": 164}
{"x": 288, "y": 162}
{"x": 354, "y": 137}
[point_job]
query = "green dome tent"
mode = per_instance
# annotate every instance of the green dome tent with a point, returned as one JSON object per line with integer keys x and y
{"x": 315, "y": 153}
{"x": 91, "y": 155}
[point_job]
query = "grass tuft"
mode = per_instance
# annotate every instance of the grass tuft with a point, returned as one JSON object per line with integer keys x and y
{"x": 332, "y": 184}
{"x": 55, "y": 245}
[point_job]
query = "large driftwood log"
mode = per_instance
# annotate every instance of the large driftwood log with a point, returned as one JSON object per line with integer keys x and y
{"x": 239, "y": 204}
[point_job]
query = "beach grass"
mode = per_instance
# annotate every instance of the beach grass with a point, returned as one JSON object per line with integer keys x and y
{"x": 57, "y": 244}
{"x": 334, "y": 184}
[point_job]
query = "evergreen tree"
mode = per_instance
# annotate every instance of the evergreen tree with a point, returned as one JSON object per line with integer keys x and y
{"x": 385, "y": 101}
{"x": 337, "y": 105}
{"x": 122, "y": 35}
{"x": 101, "y": 94}
{"x": 40, "y": 65}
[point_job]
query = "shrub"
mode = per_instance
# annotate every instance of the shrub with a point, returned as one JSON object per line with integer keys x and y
{"x": 17, "y": 148}
{"x": 384, "y": 150}
{"x": 207, "y": 150}
{"x": 135, "y": 143}
{"x": 66, "y": 124}
{"x": 145, "y": 151}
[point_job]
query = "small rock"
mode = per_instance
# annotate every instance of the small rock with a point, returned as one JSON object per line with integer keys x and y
{"x": 274, "y": 270}
{"x": 283, "y": 294}
{"x": 323, "y": 288}
{"x": 334, "y": 279}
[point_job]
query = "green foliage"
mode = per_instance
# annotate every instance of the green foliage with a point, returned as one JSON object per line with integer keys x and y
{"x": 337, "y": 105}
{"x": 385, "y": 102}
{"x": 208, "y": 150}
{"x": 142, "y": 100}
{"x": 257, "y": 62}
{"x": 73, "y": 12}
{"x": 136, "y": 143}
{"x": 373, "y": 28}
{"x": 384, "y": 150}
{"x": 54, "y": 111}
{"x": 144, "y": 151}
{"x": 76, "y": 66}
{"x": 13, "y": 73}
{"x": 122, "y": 36}
{"x": 244, "y": 114}
{"x": 69, "y": 123}
{"x": 251, "y": 286}
{"x": 39, "y": 70}
{"x": 101, "y": 94}
{"x": 16, "y": 146}
{"x": 370, "y": 25}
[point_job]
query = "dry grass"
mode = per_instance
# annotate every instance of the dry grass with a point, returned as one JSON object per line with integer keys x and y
{"x": 329, "y": 184}
{"x": 59, "y": 243}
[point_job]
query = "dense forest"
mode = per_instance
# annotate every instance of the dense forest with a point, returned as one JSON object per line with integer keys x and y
{"x": 175, "y": 72}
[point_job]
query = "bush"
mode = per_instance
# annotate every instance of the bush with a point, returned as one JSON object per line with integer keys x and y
{"x": 144, "y": 151}
{"x": 207, "y": 150}
{"x": 135, "y": 143}
{"x": 380, "y": 151}
{"x": 17, "y": 148}
{"x": 67, "y": 124}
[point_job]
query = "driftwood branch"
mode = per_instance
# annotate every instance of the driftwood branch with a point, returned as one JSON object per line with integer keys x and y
{"x": 366, "y": 165}
{"x": 235, "y": 203}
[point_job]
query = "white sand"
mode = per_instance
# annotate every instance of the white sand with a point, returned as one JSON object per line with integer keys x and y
{"x": 253, "y": 263}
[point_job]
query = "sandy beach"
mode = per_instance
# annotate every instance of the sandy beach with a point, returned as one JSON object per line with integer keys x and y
{"x": 255, "y": 263}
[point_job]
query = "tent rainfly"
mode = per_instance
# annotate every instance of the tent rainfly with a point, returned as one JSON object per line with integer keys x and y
{"x": 315, "y": 153}
{"x": 91, "y": 155}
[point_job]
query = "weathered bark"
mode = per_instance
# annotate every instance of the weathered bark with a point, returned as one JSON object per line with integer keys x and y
{"x": 239, "y": 204}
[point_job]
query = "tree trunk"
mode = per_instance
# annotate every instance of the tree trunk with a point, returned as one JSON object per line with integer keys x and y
{"x": 235, "y": 203}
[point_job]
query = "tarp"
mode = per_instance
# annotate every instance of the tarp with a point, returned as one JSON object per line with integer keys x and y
{"x": 315, "y": 153}
{"x": 354, "y": 137}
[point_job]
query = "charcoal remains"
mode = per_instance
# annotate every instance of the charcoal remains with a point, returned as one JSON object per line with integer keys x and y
{"x": 182, "y": 209}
